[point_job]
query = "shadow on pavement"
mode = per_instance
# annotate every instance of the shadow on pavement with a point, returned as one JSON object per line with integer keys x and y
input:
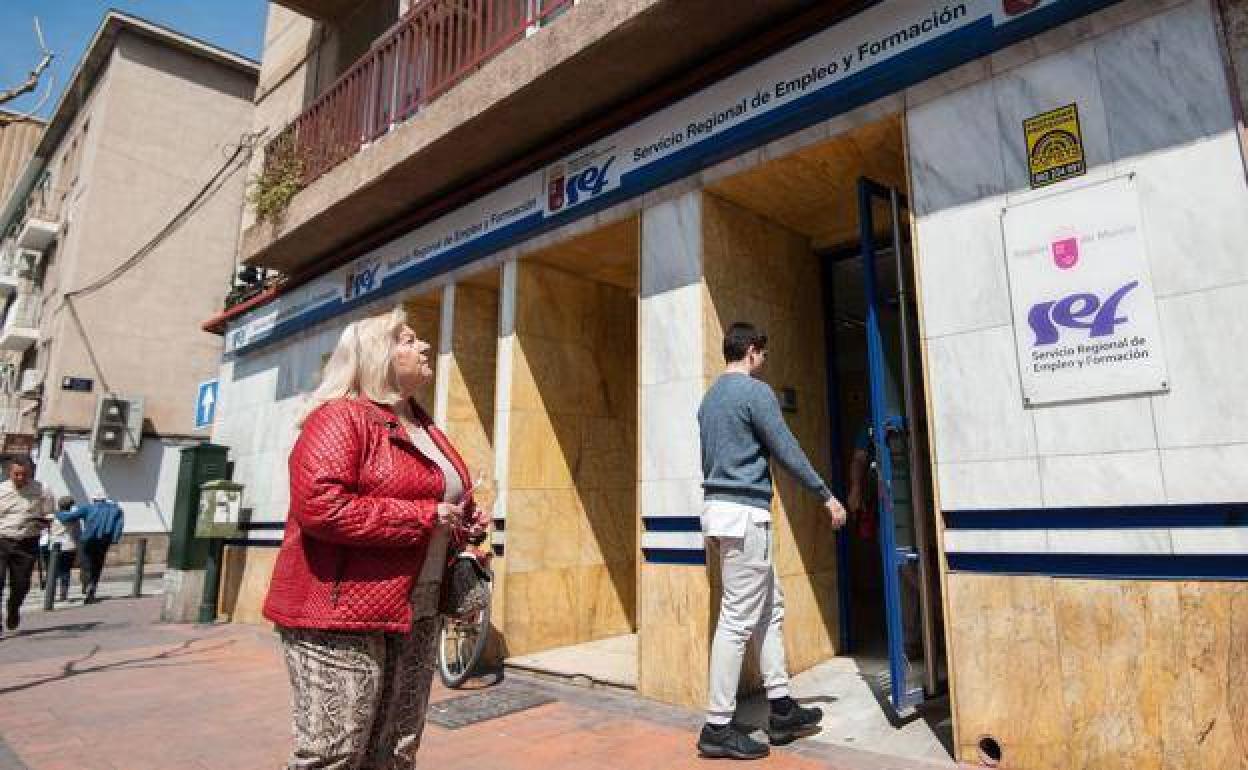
{"x": 72, "y": 668}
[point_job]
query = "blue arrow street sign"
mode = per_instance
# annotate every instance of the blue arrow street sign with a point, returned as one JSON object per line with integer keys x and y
{"x": 206, "y": 404}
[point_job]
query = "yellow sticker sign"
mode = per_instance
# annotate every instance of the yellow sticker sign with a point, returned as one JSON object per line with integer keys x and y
{"x": 1054, "y": 146}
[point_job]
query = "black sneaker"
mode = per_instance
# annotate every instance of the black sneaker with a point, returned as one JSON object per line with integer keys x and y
{"x": 790, "y": 721}
{"x": 729, "y": 742}
{"x": 13, "y": 619}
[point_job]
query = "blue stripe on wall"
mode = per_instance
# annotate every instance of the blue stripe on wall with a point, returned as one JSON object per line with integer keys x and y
{"x": 1123, "y": 566}
{"x": 672, "y": 523}
{"x": 262, "y": 526}
{"x": 1110, "y": 517}
{"x": 252, "y": 543}
{"x": 674, "y": 556}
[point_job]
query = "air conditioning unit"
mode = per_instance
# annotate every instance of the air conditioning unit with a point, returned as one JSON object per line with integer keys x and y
{"x": 30, "y": 382}
{"x": 118, "y": 426}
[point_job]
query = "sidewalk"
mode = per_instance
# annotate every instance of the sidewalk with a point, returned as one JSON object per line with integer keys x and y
{"x": 106, "y": 687}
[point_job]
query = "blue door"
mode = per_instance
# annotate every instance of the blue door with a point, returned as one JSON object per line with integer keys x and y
{"x": 900, "y": 465}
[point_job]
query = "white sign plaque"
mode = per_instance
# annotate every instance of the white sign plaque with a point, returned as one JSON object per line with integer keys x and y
{"x": 1085, "y": 319}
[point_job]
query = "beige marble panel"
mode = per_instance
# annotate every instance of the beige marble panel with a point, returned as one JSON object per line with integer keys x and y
{"x": 572, "y": 506}
{"x": 675, "y": 619}
{"x": 1215, "y": 654}
{"x": 1126, "y": 689}
{"x": 245, "y": 583}
{"x": 1005, "y": 667}
{"x": 424, "y": 315}
{"x": 811, "y": 619}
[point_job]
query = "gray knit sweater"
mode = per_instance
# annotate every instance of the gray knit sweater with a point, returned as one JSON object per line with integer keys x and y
{"x": 742, "y": 428}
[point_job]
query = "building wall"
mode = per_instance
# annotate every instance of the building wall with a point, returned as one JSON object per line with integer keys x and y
{"x": 17, "y": 143}
{"x": 1091, "y": 673}
{"x": 144, "y": 484}
{"x": 571, "y": 500}
{"x": 143, "y": 328}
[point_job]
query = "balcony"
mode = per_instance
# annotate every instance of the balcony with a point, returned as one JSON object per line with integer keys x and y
{"x": 39, "y": 228}
{"x": 433, "y": 47}
{"x": 461, "y": 90}
{"x": 21, "y": 324}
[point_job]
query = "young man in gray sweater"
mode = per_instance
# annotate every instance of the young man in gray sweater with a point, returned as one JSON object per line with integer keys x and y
{"x": 742, "y": 429}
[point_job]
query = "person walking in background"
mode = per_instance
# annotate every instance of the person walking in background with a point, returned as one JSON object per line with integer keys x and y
{"x": 103, "y": 522}
{"x": 378, "y": 499}
{"x": 24, "y": 512}
{"x": 741, "y": 429}
{"x": 67, "y": 534}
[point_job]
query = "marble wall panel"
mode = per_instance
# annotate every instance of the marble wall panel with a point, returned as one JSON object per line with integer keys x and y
{"x": 572, "y": 479}
{"x": 989, "y": 484}
{"x": 1120, "y": 478}
{"x": 1005, "y": 666}
{"x": 1206, "y": 340}
{"x": 1118, "y": 674}
{"x": 245, "y": 584}
{"x": 676, "y": 615}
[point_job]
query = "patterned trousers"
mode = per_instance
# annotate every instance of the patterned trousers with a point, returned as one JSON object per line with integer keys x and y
{"x": 359, "y": 699}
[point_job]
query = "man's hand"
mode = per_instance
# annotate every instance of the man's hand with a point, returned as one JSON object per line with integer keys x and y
{"x": 854, "y": 501}
{"x": 836, "y": 512}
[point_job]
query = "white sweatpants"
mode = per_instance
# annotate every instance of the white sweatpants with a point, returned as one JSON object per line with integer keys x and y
{"x": 752, "y": 606}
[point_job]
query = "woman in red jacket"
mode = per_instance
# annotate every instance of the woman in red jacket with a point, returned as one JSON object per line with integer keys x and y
{"x": 377, "y": 496}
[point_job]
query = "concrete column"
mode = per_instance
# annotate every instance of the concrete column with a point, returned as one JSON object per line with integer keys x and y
{"x": 446, "y": 333}
{"x": 674, "y": 606}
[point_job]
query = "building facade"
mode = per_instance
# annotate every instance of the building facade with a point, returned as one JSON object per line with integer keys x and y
{"x": 999, "y": 239}
{"x": 125, "y": 221}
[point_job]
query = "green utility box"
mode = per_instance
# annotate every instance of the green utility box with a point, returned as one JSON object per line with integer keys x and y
{"x": 221, "y": 512}
{"x": 198, "y": 464}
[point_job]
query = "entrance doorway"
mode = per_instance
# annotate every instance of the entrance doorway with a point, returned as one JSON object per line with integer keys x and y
{"x": 847, "y": 198}
{"x": 572, "y": 523}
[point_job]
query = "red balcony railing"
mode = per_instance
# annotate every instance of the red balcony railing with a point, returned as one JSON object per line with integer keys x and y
{"x": 434, "y": 46}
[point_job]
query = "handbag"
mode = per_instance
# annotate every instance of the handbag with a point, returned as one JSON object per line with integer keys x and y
{"x": 465, "y": 587}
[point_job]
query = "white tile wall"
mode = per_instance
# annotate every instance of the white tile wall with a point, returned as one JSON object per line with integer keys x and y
{"x": 977, "y": 405}
{"x": 670, "y": 448}
{"x": 1042, "y": 85}
{"x": 671, "y": 335}
{"x": 1153, "y": 100}
{"x": 1137, "y": 541}
{"x": 1216, "y": 474}
{"x": 1206, "y": 340}
{"x": 1192, "y": 203}
{"x": 1112, "y": 425}
{"x": 1210, "y": 540}
{"x": 962, "y": 269}
{"x": 1125, "y": 478}
{"x": 954, "y": 150}
{"x": 671, "y": 498}
{"x": 990, "y": 485}
{"x": 1164, "y": 84}
{"x": 671, "y": 244}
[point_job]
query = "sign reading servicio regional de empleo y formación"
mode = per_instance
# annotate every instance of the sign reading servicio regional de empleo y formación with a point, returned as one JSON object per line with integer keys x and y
{"x": 1085, "y": 318}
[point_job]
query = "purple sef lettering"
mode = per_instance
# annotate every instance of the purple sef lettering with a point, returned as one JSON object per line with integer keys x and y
{"x": 1077, "y": 311}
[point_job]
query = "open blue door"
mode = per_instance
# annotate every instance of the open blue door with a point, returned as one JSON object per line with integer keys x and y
{"x": 895, "y": 409}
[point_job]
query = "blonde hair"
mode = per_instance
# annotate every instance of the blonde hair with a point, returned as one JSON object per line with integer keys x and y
{"x": 360, "y": 363}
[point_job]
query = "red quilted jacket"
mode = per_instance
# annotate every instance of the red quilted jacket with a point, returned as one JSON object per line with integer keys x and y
{"x": 363, "y": 504}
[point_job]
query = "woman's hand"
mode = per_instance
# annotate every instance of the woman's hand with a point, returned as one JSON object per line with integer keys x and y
{"x": 451, "y": 514}
{"x": 478, "y": 523}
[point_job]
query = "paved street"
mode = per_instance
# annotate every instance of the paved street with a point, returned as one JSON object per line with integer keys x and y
{"x": 106, "y": 687}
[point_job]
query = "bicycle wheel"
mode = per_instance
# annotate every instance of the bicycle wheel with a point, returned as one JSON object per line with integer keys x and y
{"x": 461, "y": 642}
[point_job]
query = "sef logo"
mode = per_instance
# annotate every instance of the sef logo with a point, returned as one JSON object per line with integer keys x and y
{"x": 1077, "y": 311}
{"x": 361, "y": 280}
{"x": 588, "y": 183}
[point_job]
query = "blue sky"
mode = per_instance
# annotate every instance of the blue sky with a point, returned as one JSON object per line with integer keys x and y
{"x": 68, "y": 26}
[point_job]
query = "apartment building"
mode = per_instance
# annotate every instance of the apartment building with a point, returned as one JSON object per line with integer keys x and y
{"x": 120, "y": 235}
{"x": 18, "y": 136}
{"x": 1000, "y": 239}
